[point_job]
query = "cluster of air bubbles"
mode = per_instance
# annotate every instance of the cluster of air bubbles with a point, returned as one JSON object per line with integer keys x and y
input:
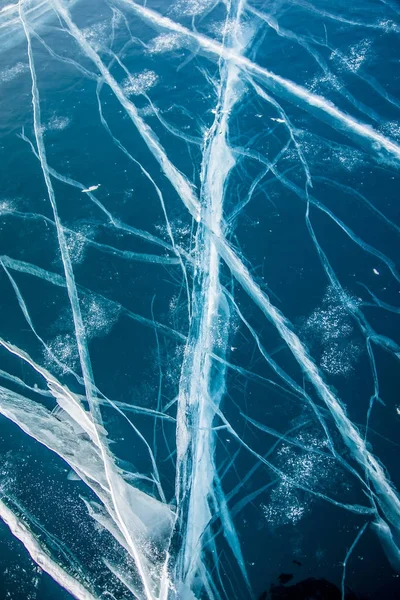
{"x": 389, "y": 26}
{"x": 166, "y": 42}
{"x": 191, "y": 8}
{"x": 117, "y": 17}
{"x": 319, "y": 82}
{"x": 177, "y": 310}
{"x": 308, "y": 468}
{"x": 329, "y": 323}
{"x": 13, "y": 72}
{"x": 173, "y": 303}
{"x": 76, "y": 242}
{"x": 146, "y": 111}
{"x": 7, "y": 205}
{"x": 181, "y": 232}
{"x": 305, "y": 467}
{"x": 223, "y": 28}
{"x": 308, "y": 146}
{"x": 221, "y": 332}
{"x": 356, "y": 56}
{"x": 96, "y": 34}
{"x": 349, "y": 158}
{"x": 7, "y": 473}
{"x": 391, "y": 129}
{"x": 99, "y": 315}
{"x": 173, "y": 366}
{"x": 285, "y": 506}
{"x": 140, "y": 83}
{"x": 338, "y": 359}
{"x": 64, "y": 351}
{"x": 331, "y": 157}
{"x": 23, "y": 579}
{"x": 329, "y": 329}
{"x": 57, "y": 123}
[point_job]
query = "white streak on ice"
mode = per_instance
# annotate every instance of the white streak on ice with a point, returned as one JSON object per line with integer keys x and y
{"x": 120, "y": 493}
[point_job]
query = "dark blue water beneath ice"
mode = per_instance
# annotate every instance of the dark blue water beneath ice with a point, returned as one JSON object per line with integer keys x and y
{"x": 349, "y": 55}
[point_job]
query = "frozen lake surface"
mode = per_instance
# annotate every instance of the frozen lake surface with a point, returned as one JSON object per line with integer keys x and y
{"x": 200, "y": 298}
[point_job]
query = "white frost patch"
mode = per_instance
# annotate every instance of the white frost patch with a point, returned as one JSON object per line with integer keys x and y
{"x": 166, "y": 42}
{"x": 13, "y": 72}
{"x": 140, "y": 83}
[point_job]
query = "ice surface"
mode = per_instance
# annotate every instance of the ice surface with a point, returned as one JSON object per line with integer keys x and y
{"x": 200, "y": 352}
